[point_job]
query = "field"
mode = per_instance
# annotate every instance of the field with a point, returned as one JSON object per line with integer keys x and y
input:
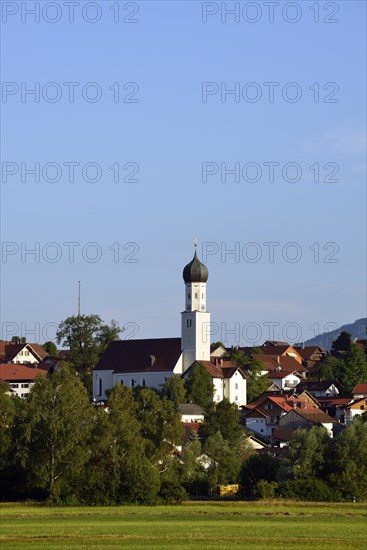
{"x": 212, "y": 525}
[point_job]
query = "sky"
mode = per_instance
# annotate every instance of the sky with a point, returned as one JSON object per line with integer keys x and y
{"x": 154, "y": 123}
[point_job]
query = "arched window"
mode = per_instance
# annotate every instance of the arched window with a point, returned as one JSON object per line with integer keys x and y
{"x": 100, "y": 386}
{"x": 143, "y": 382}
{"x": 132, "y": 382}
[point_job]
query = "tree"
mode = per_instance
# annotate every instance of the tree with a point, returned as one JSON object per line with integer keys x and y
{"x": 118, "y": 469}
{"x": 19, "y": 340}
{"x": 54, "y": 432}
{"x": 307, "y": 453}
{"x": 256, "y": 468}
{"x": 342, "y": 343}
{"x": 174, "y": 390}
{"x": 355, "y": 367}
{"x": 226, "y": 463}
{"x": 199, "y": 386}
{"x": 50, "y": 347}
{"x": 87, "y": 337}
{"x": 7, "y": 413}
{"x": 160, "y": 424}
{"x": 348, "y": 461}
{"x": 252, "y": 366}
{"x": 331, "y": 369}
{"x": 223, "y": 418}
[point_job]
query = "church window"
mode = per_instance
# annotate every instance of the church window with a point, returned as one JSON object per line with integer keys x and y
{"x": 143, "y": 382}
{"x": 188, "y": 323}
{"x": 100, "y": 386}
{"x": 196, "y": 295}
{"x": 121, "y": 382}
{"x": 132, "y": 382}
{"x": 189, "y": 295}
{"x": 236, "y": 386}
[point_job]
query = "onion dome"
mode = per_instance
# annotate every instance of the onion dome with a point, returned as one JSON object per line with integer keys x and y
{"x": 195, "y": 271}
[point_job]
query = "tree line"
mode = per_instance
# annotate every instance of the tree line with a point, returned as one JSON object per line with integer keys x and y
{"x": 58, "y": 446}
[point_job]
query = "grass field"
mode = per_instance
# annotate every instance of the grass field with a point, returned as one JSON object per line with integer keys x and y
{"x": 261, "y": 525}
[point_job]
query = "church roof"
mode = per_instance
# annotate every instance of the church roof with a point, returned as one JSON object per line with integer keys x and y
{"x": 146, "y": 355}
{"x": 195, "y": 271}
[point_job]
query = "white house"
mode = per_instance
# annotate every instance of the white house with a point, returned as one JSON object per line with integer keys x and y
{"x": 354, "y": 409}
{"x": 150, "y": 362}
{"x": 19, "y": 377}
{"x": 27, "y": 354}
{"x": 284, "y": 380}
{"x": 191, "y": 413}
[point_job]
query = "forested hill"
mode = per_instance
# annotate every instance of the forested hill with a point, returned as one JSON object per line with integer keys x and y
{"x": 325, "y": 340}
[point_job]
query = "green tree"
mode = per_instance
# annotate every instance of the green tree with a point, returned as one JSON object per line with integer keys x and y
{"x": 86, "y": 337}
{"x": 18, "y": 340}
{"x": 307, "y": 453}
{"x": 174, "y": 390}
{"x": 331, "y": 368}
{"x": 7, "y": 413}
{"x": 226, "y": 462}
{"x": 342, "y": 343}
{"x": 347, "y": 465}
{"x": 256, "y": 468}
{"x": 50, "y": 347}
{"x": 54, "y": 432}
{"x": 355, "y": 368}
{"x": 199, "y": 386}
{"x": 116, "y": 446}
{"x": 160, "y": 424}
{"x": 223, "y": 418}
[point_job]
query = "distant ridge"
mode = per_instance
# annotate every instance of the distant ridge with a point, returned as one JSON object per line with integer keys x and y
{"x": 358, "y": 329}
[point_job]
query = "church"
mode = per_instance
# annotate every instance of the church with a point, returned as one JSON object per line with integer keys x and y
{"x": 150, "y": 362}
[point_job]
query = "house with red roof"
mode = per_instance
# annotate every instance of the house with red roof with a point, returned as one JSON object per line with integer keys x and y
{"x": 359, "y": 391}
{"x": 354, "y": 409}
{"x": 263, "y": 415}
{"x": 19, "y": 377}
{"x": 22, "y": 353}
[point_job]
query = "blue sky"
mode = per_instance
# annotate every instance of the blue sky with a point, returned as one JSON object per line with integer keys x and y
{"x": 166, "y": 136}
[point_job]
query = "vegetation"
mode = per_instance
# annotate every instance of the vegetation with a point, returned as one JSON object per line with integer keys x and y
{"x": 86, "y": 337}
{"x": 265, "y": 525}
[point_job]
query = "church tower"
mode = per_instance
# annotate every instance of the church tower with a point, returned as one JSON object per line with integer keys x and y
{"x": 195, "y": 320}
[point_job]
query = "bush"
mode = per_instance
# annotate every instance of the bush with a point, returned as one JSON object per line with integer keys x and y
{"x": 309, "y": 489}
{"x": 265, "y": 489}
{"x": 172, "y": 492}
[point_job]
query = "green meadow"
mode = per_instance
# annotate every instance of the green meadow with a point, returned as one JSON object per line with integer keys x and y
{"x": 263, "y": 525}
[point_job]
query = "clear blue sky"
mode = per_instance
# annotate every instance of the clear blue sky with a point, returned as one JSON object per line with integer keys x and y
{"x": 169, "y": 133}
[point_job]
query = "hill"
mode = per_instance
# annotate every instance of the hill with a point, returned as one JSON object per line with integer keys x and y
{"x": 357, "y": 330}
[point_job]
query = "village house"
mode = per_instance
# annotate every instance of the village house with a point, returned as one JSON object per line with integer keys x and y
{"x": 354, "y": 409}
{"x": 191, "y": 413}
{"x": 323, "y": 388}
{"x": 284, "y": 380}
{"x": 359, "y": 391}
{"x": 263, "y": 415}
{"x": 311, "y": 355}
{"x": 20, "y": 377}
{"x": 150, "y": 362}
{"x": 23, "y": 353}
{"x": 299, "y": 418}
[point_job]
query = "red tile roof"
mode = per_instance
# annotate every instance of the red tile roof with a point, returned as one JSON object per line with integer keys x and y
{"x": 287, "y": 363}
{"x": 11, "y": 372}
{"x": 360, "y": 389}
{"x": 307, "y": 351}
